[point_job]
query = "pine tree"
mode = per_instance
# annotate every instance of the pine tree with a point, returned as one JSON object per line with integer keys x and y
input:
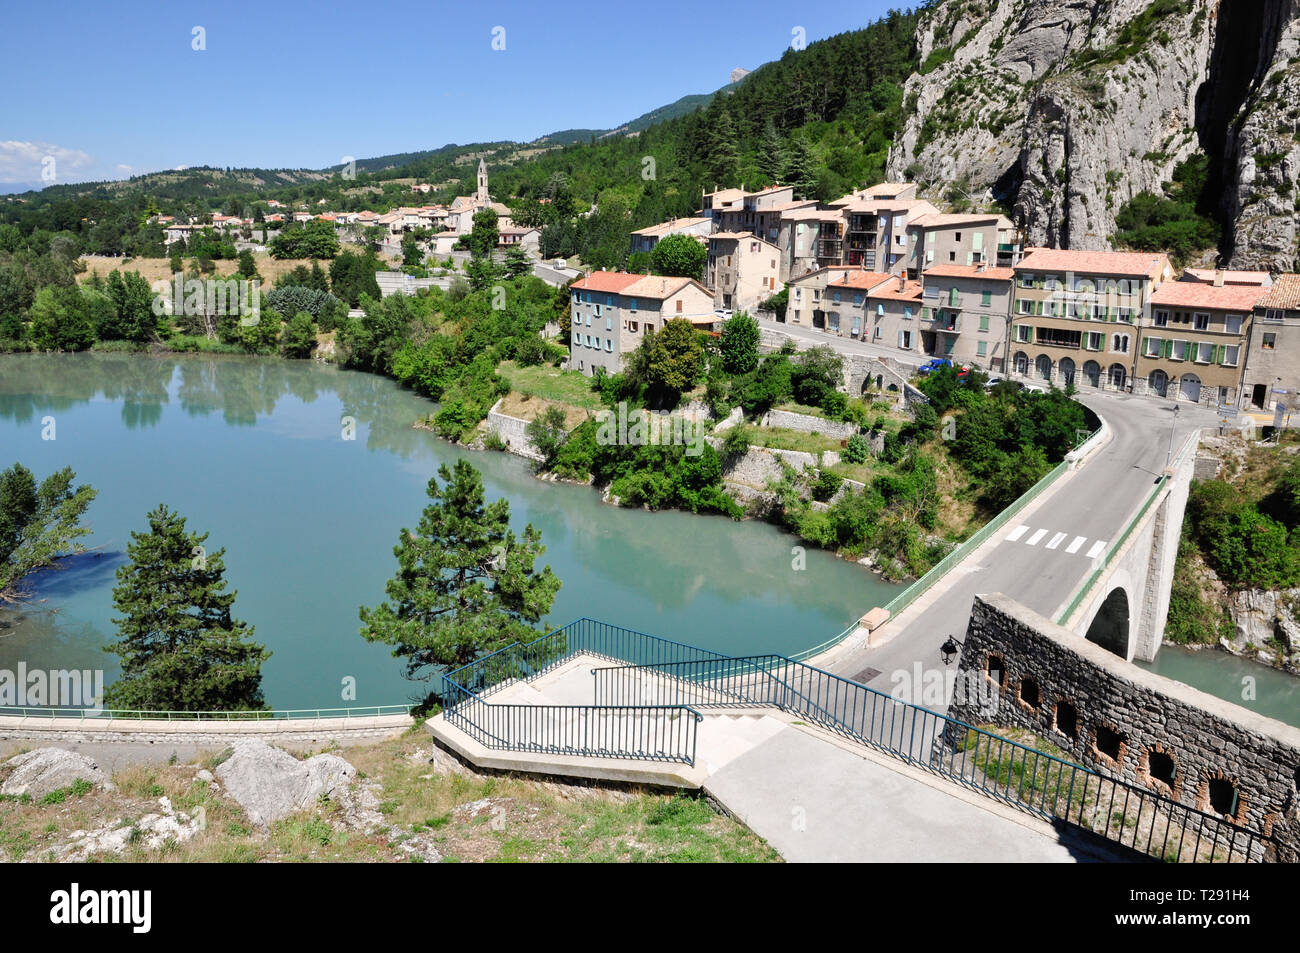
{"x": 180, "y": 647}
{"x": 771, "y": 152}
{"x": 518, "y": 263}
{"x": 799, "y": 167}
{"x": 465, "y": 583}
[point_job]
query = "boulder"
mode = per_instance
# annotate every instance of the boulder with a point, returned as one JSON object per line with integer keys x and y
{"x": 270, "y": 784}
{"x": 43, "y": 770}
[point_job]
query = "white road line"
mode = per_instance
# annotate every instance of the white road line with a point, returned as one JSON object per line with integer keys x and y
{"x": 1074, "y": 546}
{"x": 1056, "y": 541}
{"x": 1033, "y": 540}
{"x": 1016, "y": 533}
{"x": 1096, "y": 549}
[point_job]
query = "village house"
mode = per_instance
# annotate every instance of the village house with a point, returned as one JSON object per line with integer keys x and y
{"x": 518, "y": 235}
{"x": 1194, "y": 343}
{"x": 742, "y": 270}
{"x": 461, "y": 212}
{"x": 804, "y": 304}
{"x": 1272, "y": 373}
{"x": 942, "y": 239}
{"x": 894, "y": 313}
{"x": 645, "y": 239}
{"x": 965, "y": 313}
{"x": 844, "y": 302}
{"x": 612, "y": 311}
{"x": 1076, "y": 315}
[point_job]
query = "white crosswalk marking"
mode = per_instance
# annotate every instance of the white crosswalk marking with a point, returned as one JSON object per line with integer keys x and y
{"x": 1016, "y": 533}
{"x": 1033, "y": 540}
{"x": 1096, "y": 549}
{"x": 1056, "y": 541}
{"x": 1074, "y": 546}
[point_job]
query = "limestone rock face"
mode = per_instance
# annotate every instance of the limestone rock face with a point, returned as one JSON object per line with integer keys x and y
{"x": 43, "y": 770}
{"x": 270, "y": 784}
{"x": 1066, "y": 109}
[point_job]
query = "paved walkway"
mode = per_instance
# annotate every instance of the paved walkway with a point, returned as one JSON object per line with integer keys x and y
{"x": 811, "y": 795}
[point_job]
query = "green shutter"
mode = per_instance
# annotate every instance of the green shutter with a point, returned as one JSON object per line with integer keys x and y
{"x": 1169, "y": 348}
{"x": 1031, "y": 334}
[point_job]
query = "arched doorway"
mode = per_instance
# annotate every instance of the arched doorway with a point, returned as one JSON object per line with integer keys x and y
{"x": 1092, "y": 373}
{"x": 1109, "y": 627}
{"x": 1116, "y": 375}
{"x": 1043, "y": 367}
{"x": 1189, "y": 388}
{"x": 1158, "y": 383}
{"x": 1066, "y": 370}
{"x": 1021, "y": 363}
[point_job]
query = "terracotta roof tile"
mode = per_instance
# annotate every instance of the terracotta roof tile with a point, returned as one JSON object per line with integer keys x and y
{"x": 1133, "y": 264}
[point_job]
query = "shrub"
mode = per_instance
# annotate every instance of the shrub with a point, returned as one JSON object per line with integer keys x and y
{"x": 857, "y": 450}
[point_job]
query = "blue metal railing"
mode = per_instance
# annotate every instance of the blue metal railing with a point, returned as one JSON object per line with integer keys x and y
{"x": 640, "y": 732}
{"x": 1009, "y": 771}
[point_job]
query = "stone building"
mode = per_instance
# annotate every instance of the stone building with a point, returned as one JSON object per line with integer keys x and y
{"x": 1272, "y": 374}
{"x": 742, "y": 269}
{"x": 611, "y": 311}
{"x": 965, "y": 313}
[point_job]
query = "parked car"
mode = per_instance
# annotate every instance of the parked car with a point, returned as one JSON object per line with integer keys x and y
{"x": 934, "y": 364}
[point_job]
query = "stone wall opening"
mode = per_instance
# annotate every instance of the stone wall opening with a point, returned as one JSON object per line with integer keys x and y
{"x": 1158, "y": 769}
{"x": 1223, "y": 797}
{"x": 1067, "y": 720}
{"x": 1029, "y": 694}
{"x": 1110, "y": 625}
{"x": 996, "y": 670}
{"x": 1108, "y": 745}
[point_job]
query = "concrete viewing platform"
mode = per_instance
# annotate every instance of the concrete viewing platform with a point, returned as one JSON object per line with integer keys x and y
{"x": 813, "y": 795}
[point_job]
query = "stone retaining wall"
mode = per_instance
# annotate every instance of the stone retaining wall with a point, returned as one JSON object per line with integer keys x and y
{"x": 145, "y": 731}
{"x": 807, "y": 423}
{"x": 1222, "y": 754}
{"x": 513, "y": 432}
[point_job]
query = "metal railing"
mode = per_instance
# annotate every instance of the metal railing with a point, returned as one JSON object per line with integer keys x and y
{"x": 638, "y": 732}
{"x": 362, "y": 711}
{"x": 1031, "y": 780}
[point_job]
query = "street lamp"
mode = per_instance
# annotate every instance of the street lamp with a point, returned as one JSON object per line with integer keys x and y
{"x": 1173, "y": 425}
{"x": 949, "y": 650}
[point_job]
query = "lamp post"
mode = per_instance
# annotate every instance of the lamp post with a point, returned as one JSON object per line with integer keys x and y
{"x": 949, "y": 649}
{"x": 1173, "y": 425}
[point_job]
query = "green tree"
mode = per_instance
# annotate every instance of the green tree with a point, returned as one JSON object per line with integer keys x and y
{"x": 680, "y": 255}
{"x": 669, "y": 361}
{"x": 247, "y": 266}
{"x": 61, "y": 320}
{"x": 299, "y": 338}
{"x": 799, "y": 167}
{"x": 180, "y": 646}
{"x": 483, "y": 237}
{"x": 465, "y": 583}
{"x": 518, "y": 264}
{"x": 37, "y": 524}
{"x": 548, "y": 432}
{"x": 739, "y": 344}
{"x": 412, "y": 253}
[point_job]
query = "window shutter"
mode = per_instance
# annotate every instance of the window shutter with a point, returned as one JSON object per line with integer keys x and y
{"x": 1169, "y": 348}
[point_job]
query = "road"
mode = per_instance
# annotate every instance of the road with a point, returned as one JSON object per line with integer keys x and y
{"x": 843, "y": 345}
{"x": 1041, "y": 564}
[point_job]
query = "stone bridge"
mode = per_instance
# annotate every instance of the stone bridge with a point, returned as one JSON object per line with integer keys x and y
{"x": 1123, "y": 604}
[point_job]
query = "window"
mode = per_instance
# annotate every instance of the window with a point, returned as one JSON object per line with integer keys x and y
{"x": 952, "y": 256}
{"x": 1154, "y": 347}
{"x": 1270, "y": 342}
{"x": 907, "y": 312}
{"x": 986, "y": 299}
{"x": 836, "y": 297}
{"x": 1180, "y": 351}
{"x": 1024, "y": 333}
{"x": 1274, "y": 314}
{"x": 1230, "y": 355}
{"x": 1026, "y": 306}
{"x": 1026, "y": 281}
{"x": 609, "y": 300}
{"x": 609, "y": 322}
{"x": 609, "y": 344}
{"x": 679, "y": 306}
{"x": 1202, "y": 322}
{"x": 1232, "y": 323}
{"x": 875, "y": 333}
{"x": 1119, "y": 343}
{"x": 984, "y": 322}
{"x": 599, "y": 312}
{"x": 589, "y": 318}
{"x": 632, "y": 326}
{"x": 577, "y": 318}
{"x": 632, "y": 304}
{"x": 982, "y": 349}
{"x": 1204, "y": 353}
{"x": 1092, "y": 341}
{"x": 857, "y": 299}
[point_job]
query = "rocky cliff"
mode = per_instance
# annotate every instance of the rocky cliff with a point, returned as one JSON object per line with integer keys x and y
{"x": 1065, "y": 109}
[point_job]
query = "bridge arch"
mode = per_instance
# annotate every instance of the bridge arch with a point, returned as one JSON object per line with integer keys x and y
{"x": 1111, "y": 627}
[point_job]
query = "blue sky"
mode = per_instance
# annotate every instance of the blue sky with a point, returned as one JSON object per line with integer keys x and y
{"x": 117, "y": 89}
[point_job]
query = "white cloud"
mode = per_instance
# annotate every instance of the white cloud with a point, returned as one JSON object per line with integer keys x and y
{"x": 123, "y": 168}
{"x": 25, "y": 161}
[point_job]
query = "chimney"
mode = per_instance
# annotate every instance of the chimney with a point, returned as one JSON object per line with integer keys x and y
{"x": 902, "y": 282}
{"x": 983, "y": 267}
{"x": 1218, "y": 277}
